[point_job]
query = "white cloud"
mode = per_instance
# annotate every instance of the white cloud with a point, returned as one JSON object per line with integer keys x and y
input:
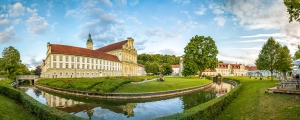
{"x": 106, "y": 2}
{"x": 216, "y": 9}
{"x": 16, "y": 21}
{"x": 168, "y": 52}
{"x": 35, "y": 23}
{"x": 4, "y": 21}
{"x": 154, "y": 31}
{"x": 133, "y": 19}
{"x": 50, "y": 4}
{"x": 121, "y": 2}
{"x": 264, "y": 35}
{"x": 187, "y": 26}
{"x": 183, "y": 2}
{"x": 220, "y": 20}
{"x": 258, "y": 14}
{"x": 134, "y": 3}
{"x": 16, "y": 9}
{"x": 172, "y": 35}
{"x": 185, "y": 12}
{"x": 201, "y": 10}
{"x": 111, "y": 18}
{"x": 8, "y": 35}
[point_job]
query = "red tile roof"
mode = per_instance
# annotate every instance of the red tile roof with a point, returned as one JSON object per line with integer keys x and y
{"x": 175, "y": 66}
{"x": 141, "y": 65}
{"x": 71, "y": 50}
{"x": 251, "y": 68}
{"x": 111, "y": 47}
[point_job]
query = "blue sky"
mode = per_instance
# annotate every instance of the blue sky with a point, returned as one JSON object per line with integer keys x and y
{"x": 239, "y": 27}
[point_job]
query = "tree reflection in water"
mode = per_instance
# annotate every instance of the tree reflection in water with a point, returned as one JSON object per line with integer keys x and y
{"x": 196, "y": 98}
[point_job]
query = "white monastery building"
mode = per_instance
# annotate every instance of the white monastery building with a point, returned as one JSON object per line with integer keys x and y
{"x": 117, "y": 59}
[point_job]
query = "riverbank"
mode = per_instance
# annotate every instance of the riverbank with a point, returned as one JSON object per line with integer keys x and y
{"x": 253, "y": 103}
{"x": 170, "y": 83}
{"x": 11, "y": 110}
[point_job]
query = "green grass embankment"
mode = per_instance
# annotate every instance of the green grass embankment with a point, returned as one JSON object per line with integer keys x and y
{"x": 98, "y": 85}
{"x": 254, "y": 104}
{"x": 10, "y": 110}
{"x": 171, "y": 83}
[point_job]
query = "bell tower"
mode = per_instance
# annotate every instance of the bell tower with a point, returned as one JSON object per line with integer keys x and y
{"x": 89, "y": 43}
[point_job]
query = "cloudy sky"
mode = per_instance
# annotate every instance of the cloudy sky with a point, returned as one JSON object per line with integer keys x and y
{"x": 239, "y": 27}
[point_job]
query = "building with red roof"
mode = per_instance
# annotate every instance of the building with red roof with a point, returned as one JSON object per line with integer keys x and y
{"x": 63, "y": 61}
{"x": 227, "y": 69}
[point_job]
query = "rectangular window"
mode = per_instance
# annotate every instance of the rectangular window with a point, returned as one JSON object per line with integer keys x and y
{"x": 82, "y": 66}
{"x": 88, "y": 67}
{"x": 67, "y": 66}
{"x": 67, "y": 58}
{"x": 72, "y": 59}
{"x": 92, "y": 67}
{"x": 78, "y": 66}
{"x": 88, "y": 60}
{"x": 54, "y": 58}
{"x": 54, "y": 65}
{"x": 60, "y": 65}
{"x": 96, "y": 61}
{"x": 96, "y": 67}
{"x": 92, "y": 60}
{"x": 82, "y": 60}
{"x": 60, "y": 58}
{"x": 72, "y": 65}
{"x": 78, "y": 59}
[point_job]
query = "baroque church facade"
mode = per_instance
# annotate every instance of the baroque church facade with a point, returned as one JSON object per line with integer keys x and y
{"x": 117, "y": 59}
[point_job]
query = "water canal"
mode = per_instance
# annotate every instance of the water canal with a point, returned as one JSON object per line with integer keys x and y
{"x": 103, "y": 109}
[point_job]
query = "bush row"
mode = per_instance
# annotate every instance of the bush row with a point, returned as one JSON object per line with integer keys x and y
{"x": 36, "y": 108}
{"x": 101, "y": 85}
{"x": 207, "y": 111}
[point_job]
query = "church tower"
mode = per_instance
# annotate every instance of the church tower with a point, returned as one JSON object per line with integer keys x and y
{"x": 89, "y": 43}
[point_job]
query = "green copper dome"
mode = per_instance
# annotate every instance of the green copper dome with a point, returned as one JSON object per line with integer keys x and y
{"x": 89, "y": 39}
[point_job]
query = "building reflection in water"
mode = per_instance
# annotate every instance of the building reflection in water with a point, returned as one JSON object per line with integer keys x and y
{"x": 55, "y": 101}
{"x": 221, "y": 88}
{"x": 70, "y": 105}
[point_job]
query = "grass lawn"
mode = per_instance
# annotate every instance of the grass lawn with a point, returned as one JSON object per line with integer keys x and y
{"x": 10, "y": 110}
{"x": 254, "y": 104}
{"x": 171, "y": 83}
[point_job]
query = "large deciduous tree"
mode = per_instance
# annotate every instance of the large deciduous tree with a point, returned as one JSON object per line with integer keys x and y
{"x": 202, "y": 52}
{"x": 38, "y": 71}
{"x": 11, "y": 61}
{"x": 297, "y": 54}
{"x": 152, "y": 67}
{"x": 293, "y": 8}
{"x": 166, "y": 69}
{"x": 284, "y": 62}
{"x": 268, "y": 56}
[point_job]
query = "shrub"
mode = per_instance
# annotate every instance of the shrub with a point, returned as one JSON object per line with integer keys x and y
{"x": 207, "y": 111}
{"x": 41, "y": 111}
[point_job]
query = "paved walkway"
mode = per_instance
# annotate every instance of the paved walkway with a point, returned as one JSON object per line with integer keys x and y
{"x": 144, "y": 81}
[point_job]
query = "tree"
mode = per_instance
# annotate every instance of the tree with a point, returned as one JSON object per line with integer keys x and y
{"x": 293, "y": 8}
{"x": 38, "y": 71}
{"x": 202, "y": 52}
{"x": 189, "y": 68}
{"x": 11, "y": 61}
{"x": 297, "y": 54}
{"x": 166, "y": 69}
{"x": 268, "y": 56}
{"x": 23, "y": 70}
{"x": 284, "y": 63}
{"x": 148, "y": 67}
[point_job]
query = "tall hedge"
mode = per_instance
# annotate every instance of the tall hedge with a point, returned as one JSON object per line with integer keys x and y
{"x": 209, "y": 110}
{"x": 42, "y": 111}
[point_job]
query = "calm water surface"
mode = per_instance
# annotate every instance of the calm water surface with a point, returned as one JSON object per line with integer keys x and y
{"x": 103, "y": 109}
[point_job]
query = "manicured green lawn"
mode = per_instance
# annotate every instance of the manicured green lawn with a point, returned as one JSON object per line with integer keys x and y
{"x": 254, "y": 104}
{"x": 171, "y": 83}
{"x": 10, "y": 110}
